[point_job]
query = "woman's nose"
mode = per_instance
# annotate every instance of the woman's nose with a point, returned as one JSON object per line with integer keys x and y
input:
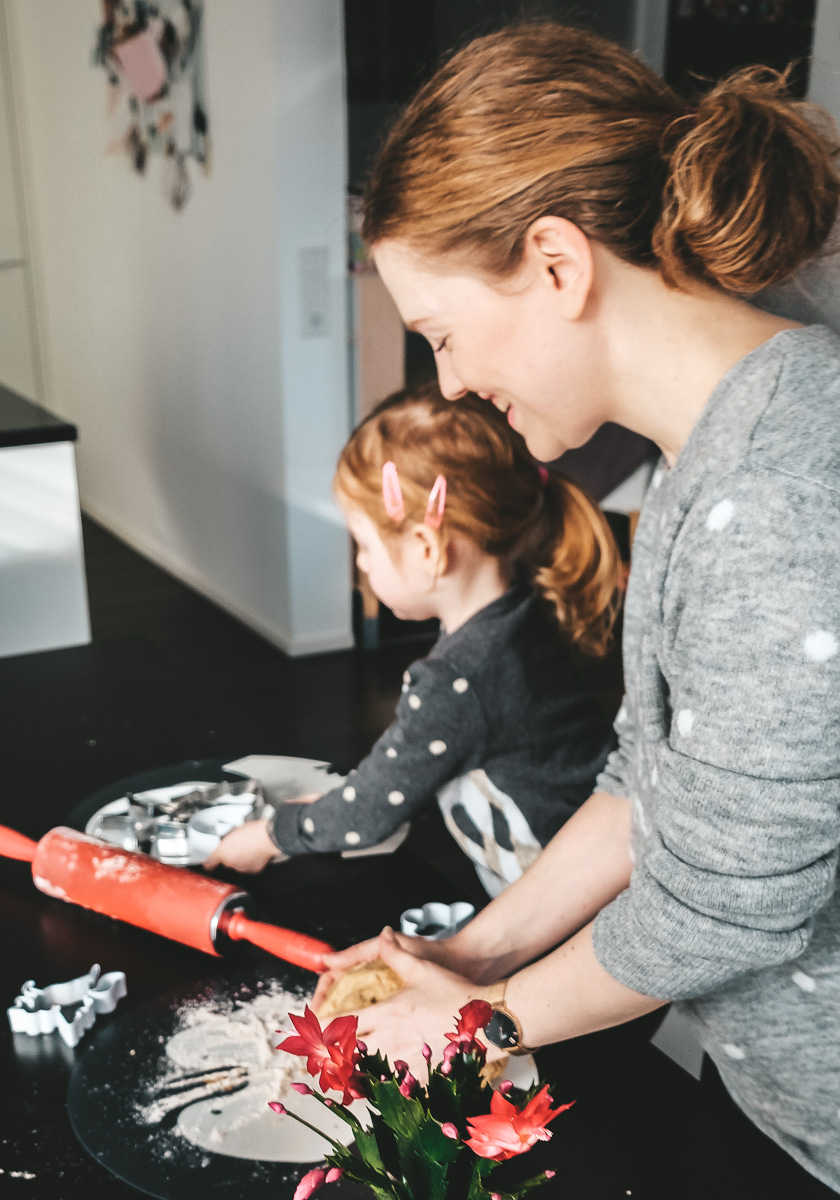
{"x": 450, "y": 384}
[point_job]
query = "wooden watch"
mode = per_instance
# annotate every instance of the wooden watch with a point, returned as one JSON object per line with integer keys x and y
{"x": 504, "y": 1029}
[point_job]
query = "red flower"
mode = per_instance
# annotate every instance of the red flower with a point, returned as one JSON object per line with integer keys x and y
{"x": 332, "y": 1052}
{"x": 472, "y": 1017}
{"x": 507, "y": 1131}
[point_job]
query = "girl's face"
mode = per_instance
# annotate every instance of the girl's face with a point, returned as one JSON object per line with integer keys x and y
{"x": 398, "y": 573}
{"x": 510, "y": 344}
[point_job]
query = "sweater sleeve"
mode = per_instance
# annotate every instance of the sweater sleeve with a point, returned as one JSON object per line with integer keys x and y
{"x": 618, "y": 769}
{"x": 439, "y": 728}
{"x": 742, "y": 849}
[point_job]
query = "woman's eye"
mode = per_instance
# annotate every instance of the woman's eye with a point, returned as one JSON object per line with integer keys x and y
{"x": 440, "y": 346}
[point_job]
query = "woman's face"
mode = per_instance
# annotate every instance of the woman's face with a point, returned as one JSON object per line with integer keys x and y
{"x": 509, "y": 343}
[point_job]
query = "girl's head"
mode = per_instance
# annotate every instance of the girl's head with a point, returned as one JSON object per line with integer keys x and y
{"x": 545, "y": 138}
{"x": 497, "y": 499}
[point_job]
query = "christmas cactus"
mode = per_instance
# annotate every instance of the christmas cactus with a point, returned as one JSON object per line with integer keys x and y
{"x": 441, "y": 1141}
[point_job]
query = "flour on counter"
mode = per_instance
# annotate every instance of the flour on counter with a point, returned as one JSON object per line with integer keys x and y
{"x": 244, "y": 1033}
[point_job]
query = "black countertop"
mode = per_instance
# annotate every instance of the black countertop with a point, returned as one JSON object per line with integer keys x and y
{"x": 638, "y": 1128}
{"x": 23, "y": 423}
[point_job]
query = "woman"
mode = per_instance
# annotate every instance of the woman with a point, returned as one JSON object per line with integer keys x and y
{"x": 577, "y": 245}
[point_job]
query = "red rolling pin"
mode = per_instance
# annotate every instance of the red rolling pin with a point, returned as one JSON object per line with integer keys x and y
{"x": 193, "y": 909}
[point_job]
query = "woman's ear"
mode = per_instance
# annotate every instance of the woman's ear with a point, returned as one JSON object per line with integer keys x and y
{"x": 558, "y": 254}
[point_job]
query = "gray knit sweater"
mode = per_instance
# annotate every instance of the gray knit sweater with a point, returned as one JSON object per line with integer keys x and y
{"x": 730, "y": 744}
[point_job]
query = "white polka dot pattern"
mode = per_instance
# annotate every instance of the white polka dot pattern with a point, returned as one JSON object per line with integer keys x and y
{"x": 733, "y": 1051}
{"x": 308, "y": 825}
{"x": 820, "y": 646}
{"x": 349, "y": 793}
{"x": 407, "y": 678}
{"x": 720, "y": 516}
{"x": 396, "y": 798}
{"x": 352, "y": 838}
{"x": 437, "y": 746}
{"x": 685, "y": 721}
{"x": 414, "y": 702}
{"x": 460, "y": 686}
{"x": 804, "y": 981}
{"x": 390, "y": 752}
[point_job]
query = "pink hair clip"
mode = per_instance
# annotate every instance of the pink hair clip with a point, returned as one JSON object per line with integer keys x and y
{"x": 392, "y": 496}
{"x": 437, "y": 495}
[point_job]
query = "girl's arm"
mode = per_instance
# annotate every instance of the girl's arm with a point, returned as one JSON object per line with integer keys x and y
{"x": 582, "y": 868}
{"x": 438, "y": 733}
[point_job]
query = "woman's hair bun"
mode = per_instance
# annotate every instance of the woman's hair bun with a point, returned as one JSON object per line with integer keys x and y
{"x": 752, "y": 187}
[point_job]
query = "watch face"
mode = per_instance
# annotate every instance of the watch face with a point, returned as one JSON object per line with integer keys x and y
{"x": 501, "y": 1031}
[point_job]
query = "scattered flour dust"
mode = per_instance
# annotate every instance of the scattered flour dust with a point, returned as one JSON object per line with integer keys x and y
{"x": 244, "y": 1033}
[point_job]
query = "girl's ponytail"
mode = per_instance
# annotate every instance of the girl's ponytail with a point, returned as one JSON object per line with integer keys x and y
{"x": 752, "y": 188}
{"x": 576, "y": 565}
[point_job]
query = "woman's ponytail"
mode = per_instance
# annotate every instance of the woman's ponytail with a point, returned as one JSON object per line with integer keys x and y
{"x": 752, "y": 188}
{"x": 575, "y": 565}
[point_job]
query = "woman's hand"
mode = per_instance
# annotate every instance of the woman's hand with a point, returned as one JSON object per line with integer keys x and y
{"x": 422, "y": 1012}
{"x": 247, "y": 849}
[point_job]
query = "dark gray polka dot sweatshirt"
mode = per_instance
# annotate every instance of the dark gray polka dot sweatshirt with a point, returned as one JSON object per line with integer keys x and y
{"x": 501, "y": 694}
{"x": 730, "y": 742}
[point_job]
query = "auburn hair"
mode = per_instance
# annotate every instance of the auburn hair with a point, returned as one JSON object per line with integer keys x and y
{"x": 736, "y": 189}
{"x": 497, "y": 496}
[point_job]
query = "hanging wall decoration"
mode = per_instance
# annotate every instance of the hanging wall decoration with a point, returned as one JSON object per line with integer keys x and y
{"x": 154, "y": 57}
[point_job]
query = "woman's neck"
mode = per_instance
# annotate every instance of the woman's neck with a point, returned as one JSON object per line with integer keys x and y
{"x": 667, "y": 350}
{"x": 473, "y": 580}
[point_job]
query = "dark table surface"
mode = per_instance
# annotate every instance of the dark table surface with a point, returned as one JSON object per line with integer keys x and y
{"x": 637, "y": 1128}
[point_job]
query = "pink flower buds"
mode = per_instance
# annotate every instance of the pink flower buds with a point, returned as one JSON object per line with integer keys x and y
{"x": 279, "y": 1108}
{"x": 362, "y": 1048}
{"x": 302, "y": 1089}
{"x": 505, "y": 1087}
{"x": 408, "y": 1085}
{"x": 400, "y": 1067}
{"x": 549, "y": 1174}
{"x": 310, "y": 1183}
{"x": 427, "y": 1053}
{"x": 449, "y": 1130}
{"x": 333, "y": 1175}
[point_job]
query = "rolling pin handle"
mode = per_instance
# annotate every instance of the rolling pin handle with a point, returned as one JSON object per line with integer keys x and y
{"x": 287, "y": 944}
{"x": 16, "y": 845}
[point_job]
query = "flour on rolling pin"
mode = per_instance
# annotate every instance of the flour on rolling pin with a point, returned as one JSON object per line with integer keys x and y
{"x": 209, "y": 1040}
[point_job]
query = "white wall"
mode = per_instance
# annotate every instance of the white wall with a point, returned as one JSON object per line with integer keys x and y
{"x": 209, "y": 424}
{"x": 825, "y": 63}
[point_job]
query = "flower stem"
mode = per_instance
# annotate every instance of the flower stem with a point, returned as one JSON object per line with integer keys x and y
{"x": 315, "y": 1129}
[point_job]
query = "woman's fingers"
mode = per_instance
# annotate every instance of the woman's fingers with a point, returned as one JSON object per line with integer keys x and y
{"x": 336, "y": 964}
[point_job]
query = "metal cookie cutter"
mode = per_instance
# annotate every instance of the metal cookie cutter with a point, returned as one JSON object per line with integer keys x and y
{"x": 435, "y": 922}
{"x": 43, "y": 1010}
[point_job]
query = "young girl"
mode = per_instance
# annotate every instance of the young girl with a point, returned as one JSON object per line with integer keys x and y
{"x": 453, "y": 519}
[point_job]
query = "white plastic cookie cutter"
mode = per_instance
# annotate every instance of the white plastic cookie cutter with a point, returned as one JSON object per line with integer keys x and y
{"x": 42, "y": 1010}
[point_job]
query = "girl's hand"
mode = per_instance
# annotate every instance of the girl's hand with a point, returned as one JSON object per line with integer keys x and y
{"x": 247, "y": 849}
{"x": 423, "y": 1011}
